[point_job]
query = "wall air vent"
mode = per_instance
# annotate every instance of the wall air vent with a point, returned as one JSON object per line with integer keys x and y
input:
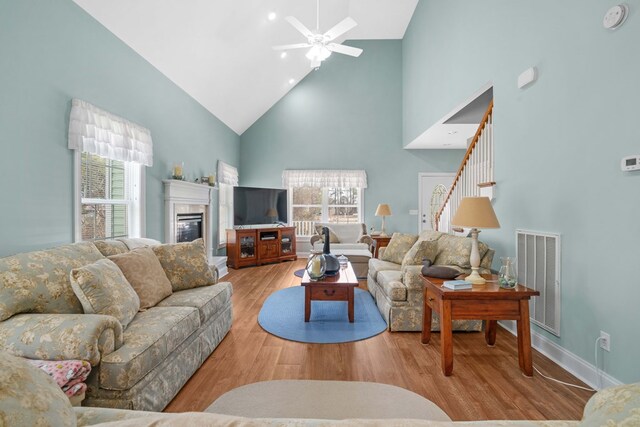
{"x": 538, "y": 256}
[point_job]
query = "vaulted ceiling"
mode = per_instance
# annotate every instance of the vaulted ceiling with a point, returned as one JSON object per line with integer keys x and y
{"x": 219, "y": 51}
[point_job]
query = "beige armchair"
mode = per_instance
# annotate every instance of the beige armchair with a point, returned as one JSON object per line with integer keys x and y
{"x": 348, "y": 236}
{"x": 350, "y": 240}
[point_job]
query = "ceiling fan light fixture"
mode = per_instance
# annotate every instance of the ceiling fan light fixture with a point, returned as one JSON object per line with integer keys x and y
{"x": 318, "y": 53}
{"x": 321, "y": 44}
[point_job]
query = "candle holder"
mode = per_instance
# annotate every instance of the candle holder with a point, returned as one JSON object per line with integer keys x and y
{"x": 178, "y": 171}
{"x": 212, "y": 180}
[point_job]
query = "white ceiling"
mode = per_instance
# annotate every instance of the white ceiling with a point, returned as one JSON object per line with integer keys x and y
{"x": 219, "y": 51}
{"x": 458, "y": 127}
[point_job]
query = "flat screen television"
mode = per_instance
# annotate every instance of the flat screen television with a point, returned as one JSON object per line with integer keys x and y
{"x": 259, "y": 206}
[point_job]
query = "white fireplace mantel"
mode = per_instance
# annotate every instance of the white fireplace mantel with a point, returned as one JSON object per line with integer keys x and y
{"x": 181, "y": 194}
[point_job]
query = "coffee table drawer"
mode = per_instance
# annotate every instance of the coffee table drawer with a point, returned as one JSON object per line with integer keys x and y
{"x": 329, "y": 293}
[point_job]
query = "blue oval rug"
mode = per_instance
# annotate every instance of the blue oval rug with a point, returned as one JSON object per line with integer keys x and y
{"x": 283, "y": 315}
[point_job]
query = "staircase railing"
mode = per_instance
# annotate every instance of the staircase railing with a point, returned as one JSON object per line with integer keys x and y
{"x": 475, "y": 172}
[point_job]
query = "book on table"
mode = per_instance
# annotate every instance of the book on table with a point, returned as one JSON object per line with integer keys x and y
{"x": 457, "y": 284}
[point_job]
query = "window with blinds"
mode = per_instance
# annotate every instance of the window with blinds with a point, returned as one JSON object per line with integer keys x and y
{"x": 109, "y": 196}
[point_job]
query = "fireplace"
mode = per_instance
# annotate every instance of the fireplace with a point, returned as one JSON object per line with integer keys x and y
{"x": 188, "y": 213}
{"x": 189, "y": 227}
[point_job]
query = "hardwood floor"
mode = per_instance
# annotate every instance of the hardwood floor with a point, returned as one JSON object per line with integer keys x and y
{"x": 486, "y": 381}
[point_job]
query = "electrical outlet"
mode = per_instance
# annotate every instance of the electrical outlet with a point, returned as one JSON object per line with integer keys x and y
{"x": 605, "y": 341}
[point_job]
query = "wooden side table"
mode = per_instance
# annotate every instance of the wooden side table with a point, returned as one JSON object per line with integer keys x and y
{"x": 488, "y": 302}
{"x": 379, "y": 242}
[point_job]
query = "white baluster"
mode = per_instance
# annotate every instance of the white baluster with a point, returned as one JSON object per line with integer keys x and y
{"x": 491, "y": 148}
{"x": 476, "y": 167}
{"x": 482, "y": 164}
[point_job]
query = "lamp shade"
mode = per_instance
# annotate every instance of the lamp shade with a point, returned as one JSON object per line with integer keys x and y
{"x": 383, "y": 210}
{"x": 475, "y": 212}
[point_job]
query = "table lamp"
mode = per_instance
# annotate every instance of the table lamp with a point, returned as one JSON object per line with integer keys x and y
{"x": 475, "y": 212}
{"x": 383, "y": 211}
{"x": 272, "y": 214}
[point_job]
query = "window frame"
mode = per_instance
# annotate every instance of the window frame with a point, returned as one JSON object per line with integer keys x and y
{"x": 136, "y": 214}
{"x": 324, "y": 207}
{"x": 228, "y": 203}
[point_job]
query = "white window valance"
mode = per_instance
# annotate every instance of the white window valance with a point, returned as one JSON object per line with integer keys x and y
{"x": 93, "y": 130}
{"x": 324, "y": 178}
{"x": 227, "y": 174}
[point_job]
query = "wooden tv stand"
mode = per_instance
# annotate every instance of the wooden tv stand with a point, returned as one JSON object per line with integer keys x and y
{"x": 257, "y": 246}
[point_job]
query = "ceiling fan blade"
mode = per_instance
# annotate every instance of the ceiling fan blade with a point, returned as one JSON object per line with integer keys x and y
{"x": 291, "y": 46}
{"x": 299, "y": 26}
{"x": 346, "y": 50}
{"x": 340, "y": 28}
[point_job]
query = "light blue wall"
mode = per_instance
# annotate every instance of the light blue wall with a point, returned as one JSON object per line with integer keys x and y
{"x": 52, "y": 51}
{"x": 346, "y": 115}
{"x": 558, "y": 142}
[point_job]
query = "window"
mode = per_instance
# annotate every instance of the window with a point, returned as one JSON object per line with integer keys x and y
{"x": 225, "y": 213}
{"x": 227, "y": 179}
{"x": 314, "y": 204}
{"x": 437, "y": 200}
{"x": 109, "y": 198}
{"x": 110, "y": 153}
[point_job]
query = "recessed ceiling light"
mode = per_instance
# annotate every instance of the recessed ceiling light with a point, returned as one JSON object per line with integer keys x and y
{"x": 283, "y": 55}
{"x": 272, "y": 16}
{"x": 292, "y": 81}
{"x": 452, "y": 132}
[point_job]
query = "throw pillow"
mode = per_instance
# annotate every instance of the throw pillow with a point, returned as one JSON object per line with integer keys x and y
{"x": 333, "y": 237}
{"x": 456, "y": 250}
{"x": 185, "y": 264}
{"x": 145, "y": 274}
{"x": 440, "y": 271}
{"x": 138, "y": 242}
{"x": 398, "y": 247}
{"x": 613, "y": 406}
{"x": 102, "y": 289}
{"x": 29, "y": 397}
{"x": 419, "y": 251}
{"x": 111, "y": 247}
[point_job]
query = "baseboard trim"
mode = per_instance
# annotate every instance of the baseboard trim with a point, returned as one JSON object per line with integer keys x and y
{"x": 570, "y": 362}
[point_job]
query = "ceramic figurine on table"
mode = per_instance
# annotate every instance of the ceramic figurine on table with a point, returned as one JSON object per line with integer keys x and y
{"x": 333, "y": 265}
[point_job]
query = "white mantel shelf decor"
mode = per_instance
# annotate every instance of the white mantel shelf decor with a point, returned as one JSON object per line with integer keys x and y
{"x": 188, "y": 197}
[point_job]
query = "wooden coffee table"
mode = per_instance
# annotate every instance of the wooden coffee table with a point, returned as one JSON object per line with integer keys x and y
{"x": 488, "y": 302}
{"x": 330, "y": 288}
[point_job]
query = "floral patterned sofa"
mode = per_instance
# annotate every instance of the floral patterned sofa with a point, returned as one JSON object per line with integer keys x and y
{"x": 141, "y": 367}
{"x": 28, "y": 397}
{"x": 397, "y": 285}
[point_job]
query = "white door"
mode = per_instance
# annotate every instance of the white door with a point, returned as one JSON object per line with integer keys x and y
{"x": 433, "y": 188}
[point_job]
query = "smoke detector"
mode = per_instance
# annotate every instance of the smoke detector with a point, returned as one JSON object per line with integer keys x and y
{"x": 615, "y": 16}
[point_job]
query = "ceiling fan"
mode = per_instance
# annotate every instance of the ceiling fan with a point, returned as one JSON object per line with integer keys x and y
{"x": 321, "y": 44}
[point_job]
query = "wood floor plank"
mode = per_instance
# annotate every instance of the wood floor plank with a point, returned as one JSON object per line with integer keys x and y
{"x": 486, "y": 383}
